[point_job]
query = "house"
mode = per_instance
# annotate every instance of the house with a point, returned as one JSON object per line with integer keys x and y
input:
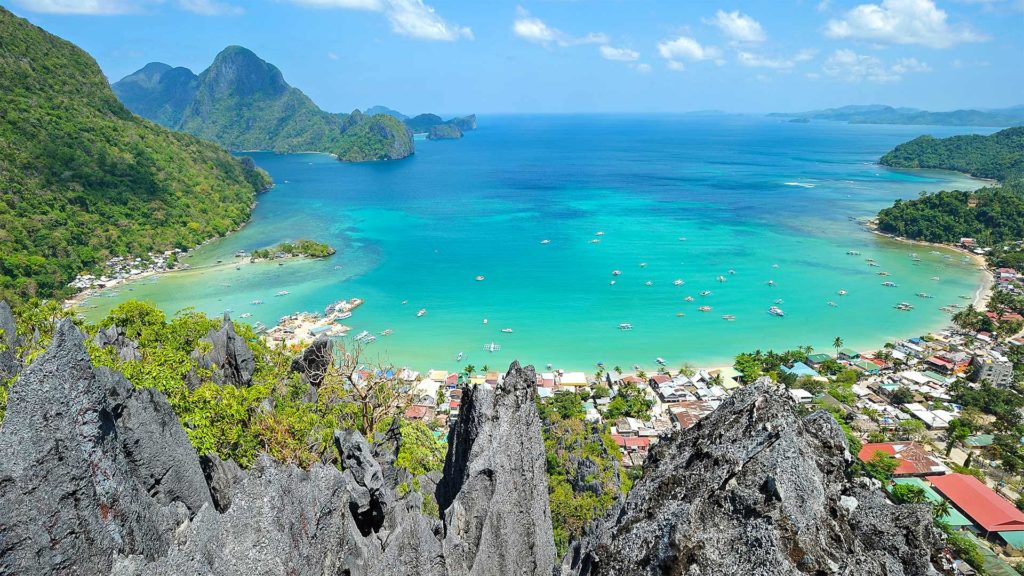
{"x": 800, "y": 369}
{"x": 801, "y": 396}
{"x": 573, "y": 380}
{"x": 848, "y": 354}
{"x": 816, "y": 360}
{"x": 933, "y": 419}
{"x": 989, "y": 511}
{"x": 866, "y": 367}
{"x": 688, "y": 413}
{"x": 419, "y": 412}
{"x": 914, "y": 459}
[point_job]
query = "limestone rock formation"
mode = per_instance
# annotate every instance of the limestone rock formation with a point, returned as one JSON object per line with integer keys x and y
{"x": 230, "y": 358}
{"x": 755, "y": 489}
{"x": 314, "y": 361}
{"x": 9, "y": 363}
{"x": 493, "y": 496}
{"x": 114, "y": 337}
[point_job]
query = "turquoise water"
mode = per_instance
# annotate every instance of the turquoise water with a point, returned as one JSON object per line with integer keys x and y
{"x": 746, "y": 193}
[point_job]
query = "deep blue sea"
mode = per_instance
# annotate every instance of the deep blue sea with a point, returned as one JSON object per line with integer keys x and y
{"x": 677, "y": 198}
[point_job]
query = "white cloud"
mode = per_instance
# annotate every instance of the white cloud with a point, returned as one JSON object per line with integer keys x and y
{"x": 901, "y": 22}
{"x": 675, "y": 65}
{"x": 619, "y": 54}
{"x": 686, "y": 48}
{"x": 642, "y": 67}
{"x": 848, "y": 66}
{"x": 739, "y": 27}
{"x": 533, "y": 29}
{"x": 754, "y": 60}
{"x": 209, "y": 7}
{"x": 410, "y": 18}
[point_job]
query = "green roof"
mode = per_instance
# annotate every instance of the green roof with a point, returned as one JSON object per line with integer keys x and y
{"x": 994, "y": 566}
{"x": 980, "y": 440}
{"x": 819, "y": 357}
{"x": 1015, "y": 539}
{"x": 954, "y": 518}
{"x": 850, "y": 353}
{"x": 866, "y": 366}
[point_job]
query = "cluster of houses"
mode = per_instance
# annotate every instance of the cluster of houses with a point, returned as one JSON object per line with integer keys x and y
{"x": 119, "y": 270}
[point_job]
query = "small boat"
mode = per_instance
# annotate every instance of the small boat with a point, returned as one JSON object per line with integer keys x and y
{"x": 643, "y": 264}
{"x": 705, "y": 308}
{"x": 775, "y": 265}
{"x": 728, "y": 317}
{"x": 246, "y": 315}
{"x": 682, "y": 238}
{"x": 924, "y": 295}
{"x": 873, "y": 264}
{"x": 421, "y": 312}
{"x": 832, "y": 304}
{"x": 688, "y": 298}
{"x": 492, "y": 347}
{"x": 731, "y": 271}
{"x": 599, "y": 233}
{"x": 776, "y": 311}
{"x": 616, "y": 272}
{"x": 361, "y": 336}
{"x": 706, "y": 293}
{"x": 678, "y": 282}
{"x": 660, "y": 360}
{"x": 506, "y": 330}
{"x": 459, "y": 356}
{"x": 778, "y": 301}
{"x": 387, "y": 332}
{"x": 648, "y": 283}
{"x": 904, "y": 306}
{"x": 485, "y": 320}
{"x": 256, "y": 302}
{"x": 936, "y": 278}
{"x": 479, "y": 278}
{"x": 595, "y": 241}
{"x": 405, "y": 302}
{"x": 884, "y": 274}
{"x": 964, "y": 297}
{"x": 889, "y": 284}
{"x": 369, "y": 339}
{"x": 852, "y": 253}
{"x": 282, "y": 293}
{"x": 771, "y": 282}
{"x": 721, "y": 278}
{"x": 612, "y": 283}
{"x": 680, "y": 314}
{"x": 337, "y": 267}
{"x": 625, "y": 326}
{"x": 545, "y": 241}
{"x": 842, "y": 292}
{"x": 344, "y": 315}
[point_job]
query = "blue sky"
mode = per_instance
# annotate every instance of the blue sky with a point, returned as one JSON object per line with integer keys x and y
{"x": 558, "y": 56}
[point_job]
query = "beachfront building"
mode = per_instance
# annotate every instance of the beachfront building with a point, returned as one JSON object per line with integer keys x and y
{"x": 914, "y": 459}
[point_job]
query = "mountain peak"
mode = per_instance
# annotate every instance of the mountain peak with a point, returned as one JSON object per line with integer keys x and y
{"x": 238, "y": 71}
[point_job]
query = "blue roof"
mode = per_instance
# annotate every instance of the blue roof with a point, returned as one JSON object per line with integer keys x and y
{"x": 800, "y": 369}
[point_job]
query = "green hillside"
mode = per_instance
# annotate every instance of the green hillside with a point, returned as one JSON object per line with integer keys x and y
{"x": 999, "y": 156}
{"x": 82, "y": 178}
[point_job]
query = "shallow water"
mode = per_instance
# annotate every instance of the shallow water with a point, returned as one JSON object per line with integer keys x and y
{"x": 746, "y": 193}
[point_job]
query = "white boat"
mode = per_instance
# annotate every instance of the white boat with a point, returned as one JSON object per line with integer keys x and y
{"x": 545, "y": 241}
{"x": 705, "y": 308}
{"x": 832, "y": 304}
{"x": 421, "y": 312}
{"x": 682, "y": 238}
{"x": 678, "y": 282}
{"x": 721, "y": 278}
{"x": 344, "y": 315}
{"x": 776, "y": 311}
{"x": 612, "y": 283}
{"x": 778, "y": 301}
{"x": 387, "y": 332}
{"x": 889, "y": 284}
{"x": 771, "y": 282}
{"x": 775, "y": 265}
{"x": 728, "y": 317}
{"x": 485, "y": 320}
{"x": 492, "y": 347}
{"x": 595, "y": 241}
{"x": 282, "y": 293}
{"x": 506, "y": 330}
{"x": 458, "y": 357}
{"x": 936, "y": 278}
{"x": 362, "y": 335}
{"x": 904, "y": 306}
{"x": 884, "y": 274}
{"x": 625, "y": 326}
{"x": 874, "y": 264}
{"x": 660, "y": 360}
{"x": 842, "y": 292}
{"x": 616, "y": 272}
{"x": 648, "y": 283}
{"x": 479, "y": 278}
{"x": 731, "y": 271}
{"x": 643, "y": 264}
{"x": 706, "y": 293}
{"x": 256, "y": 302}
{"x": 688, "y": 298}
{"x": 405, "y": 302}
{"x": 599, "y": 233}
{"x": 924, "y": 295}
{"x": 246, "y": 315}
{"x": 852, "y": 253}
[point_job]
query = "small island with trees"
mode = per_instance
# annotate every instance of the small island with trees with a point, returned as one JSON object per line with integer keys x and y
{"x": 297, "y": 249}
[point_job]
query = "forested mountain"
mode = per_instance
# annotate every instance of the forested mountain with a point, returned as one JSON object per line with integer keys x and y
{"x": 244, "y": 103}
{"x": 991, "y": 215}
{"x": 82, "y": 178}
{"x": 877, "y": 114}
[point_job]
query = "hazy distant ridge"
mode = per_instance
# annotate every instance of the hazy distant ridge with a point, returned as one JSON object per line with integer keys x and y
{"x": 878, "y": 114}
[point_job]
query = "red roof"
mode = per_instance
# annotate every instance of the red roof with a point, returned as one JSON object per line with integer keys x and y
{"x": 631, "y": 441}
{"x": 988, "y": 509}
{"x": 661, "y": 378}
{"x": 913, "y": 458}
{"x": 416, "y": 412}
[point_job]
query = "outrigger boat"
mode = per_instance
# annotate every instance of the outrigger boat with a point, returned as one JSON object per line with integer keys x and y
{"x": 492, "y": 347}
{"x": 776, "y": 311}
{"x": 421, "y": 312}
{"x": 625, "y": 326}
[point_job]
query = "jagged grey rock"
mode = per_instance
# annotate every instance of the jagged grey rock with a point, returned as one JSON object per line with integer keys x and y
{"x": 222, "y": 477}
{"x": 494, "y": 493}
{"x": 70, "y": 498}
{"x": 113, "y": 336}
{"x": 314, "y": 361}
{"x": 755, "y": 489}
{"x": 230, "y": 359}
{"x": 9, "y": 363}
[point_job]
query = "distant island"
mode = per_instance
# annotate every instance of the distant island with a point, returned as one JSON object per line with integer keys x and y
{"x": 83, "y": 180}
{"x": 435, "y": 127}
{"x": 878, "y": 114}
{"x": 243, "y": 103}
{"x": 989, "y": 216}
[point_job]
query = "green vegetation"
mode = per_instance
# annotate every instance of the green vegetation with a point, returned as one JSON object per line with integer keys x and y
{"x": 244, "y": 103}
{"x": 575, "y": 500}
{"x": 421, "y": 124}
{"x": 308, "y": 248}
{"x": 990, "y": 215}
{"x": 630, "y": 400}
{"x": 881, "y": 466}
{"x": 999, "y": 156}
{"x": 444, "y": 132}
{"x": 82, "y": 179}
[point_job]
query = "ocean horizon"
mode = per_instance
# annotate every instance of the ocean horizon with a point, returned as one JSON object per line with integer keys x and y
{"x": 757, "y": 211}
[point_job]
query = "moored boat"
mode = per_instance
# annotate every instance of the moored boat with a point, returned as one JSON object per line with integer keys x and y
{"x": 776, "y": 311}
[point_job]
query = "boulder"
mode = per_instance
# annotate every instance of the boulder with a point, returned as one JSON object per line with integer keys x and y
{"x": 314, "y": 361}
{"x": 494, "y": 493}
{"x": 230, "y": 359}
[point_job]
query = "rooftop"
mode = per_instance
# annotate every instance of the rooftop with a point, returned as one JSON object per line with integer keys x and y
{"x": 913, "y": 459}
{"x": 989, "y": 510}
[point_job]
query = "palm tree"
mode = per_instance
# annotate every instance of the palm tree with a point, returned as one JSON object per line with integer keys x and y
{"x": 469, "y": 369}
{"x": 941, "y": 509}
{"x": 485, "y": 368}
{"x": 837, "y": 344}
{"x": 618, "y": 370}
